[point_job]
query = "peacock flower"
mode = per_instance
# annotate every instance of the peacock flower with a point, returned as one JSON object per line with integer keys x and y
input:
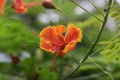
{"x": 53, "y": 40}
{"x": 2, "y": 4}
{"x": 21, "y": 8}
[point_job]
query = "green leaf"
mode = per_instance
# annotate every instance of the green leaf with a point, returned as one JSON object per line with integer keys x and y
{"x": 14, "y": 34}
{"x": 112, "y": 50}
{"x": 115, "y": 12}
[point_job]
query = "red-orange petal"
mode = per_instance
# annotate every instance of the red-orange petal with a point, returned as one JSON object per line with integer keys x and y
{"x": 19, "y": 6}
{"x": 47, "y": 46}
{"x": 59, "y": 30}
{"x": 74, "y": 34}
{"x": 50, "y": 34}
{"x": 69, "y": 47}
{"x": 51, "y": 39}
{"x": 2, "y": 4}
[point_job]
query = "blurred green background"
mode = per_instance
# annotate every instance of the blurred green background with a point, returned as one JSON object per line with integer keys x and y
{"x": 19, "y": 41}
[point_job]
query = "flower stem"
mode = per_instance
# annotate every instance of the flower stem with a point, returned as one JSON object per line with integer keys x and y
{"x": 94, "y": 44}
{"x": 64, "y": 14}
{"x": 109, "y": 43}
{"x": 104, "y": 71}
{"x": 32, "y": 65}
{"x": 86, "y": 11}
{"x": 53, "y": 65}
{"x": 77, "y": 60}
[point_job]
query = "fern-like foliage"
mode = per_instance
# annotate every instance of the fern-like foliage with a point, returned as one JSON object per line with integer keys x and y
{"x": 112, "y": 50}
{"x": 14, "y": 34}
{"x": 115, "y": 12}
{"x": 90, "y": 22}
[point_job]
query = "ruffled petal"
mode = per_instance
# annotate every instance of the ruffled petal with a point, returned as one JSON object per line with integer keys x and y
{"x": 59, "y": 30}
{"x": 69, "y": 47}
{"x": 52, "y": 38}
{"x": 74, "y": 34}
{"x": 47, "y": 46}
{"x": 50, "y": 34}
{"x": 19, "y": 6}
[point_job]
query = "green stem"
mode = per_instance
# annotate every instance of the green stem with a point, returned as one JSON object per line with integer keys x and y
{"x": 64, "y": 14}
{"x": 86, "y": 11}
{"x": 109, "y": 43}
{"x": 87, "y": 38}
{"x": 94, "y": 44}
{"x": 77, "y": 60}
{"x": 32, "y": 66}
{"x": 53, "y": 65}
{"x": 96, "y": 8}
{"x": 104, "y": 71}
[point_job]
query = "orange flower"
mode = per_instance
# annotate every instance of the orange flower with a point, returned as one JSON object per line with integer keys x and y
{"x": 2, "y": 4}
{"x": 53, "y": 40}
{"x": 21, "y": 8}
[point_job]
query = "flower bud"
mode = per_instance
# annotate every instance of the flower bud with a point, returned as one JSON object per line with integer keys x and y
{"x": 48, "y": 4}
{"x": 105, "y": 10}
{"x": 2, "y": 4}
{"x": 15, "y": 59}
{"x": 34, "y": 76}
{"x": 19, "y": 6}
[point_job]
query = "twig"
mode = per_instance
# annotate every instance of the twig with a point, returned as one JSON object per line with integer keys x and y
{"x": 109, "y": 43}
{"x": 96, "y": 8}
{"x": 106, "y": 72}
{"x": 86, "y": 11}
{"x": 77, "y": 60}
